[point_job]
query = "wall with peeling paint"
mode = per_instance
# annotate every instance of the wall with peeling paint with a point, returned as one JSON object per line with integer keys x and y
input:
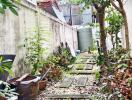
{"x": 14, "y": 29}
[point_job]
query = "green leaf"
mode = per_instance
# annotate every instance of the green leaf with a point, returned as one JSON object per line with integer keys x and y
{"x": 1, "y": 70}
{"x": 2, "y": 11}
{"x": 2, "y": 94}
{"x": 120, "y": 66}
{"x": 130, "y": 81}
{"x": 9, "y": 71}
{"x": 13, "y": 10}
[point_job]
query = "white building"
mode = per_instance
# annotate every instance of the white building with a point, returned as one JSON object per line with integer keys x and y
{"x": 128, "y": 8}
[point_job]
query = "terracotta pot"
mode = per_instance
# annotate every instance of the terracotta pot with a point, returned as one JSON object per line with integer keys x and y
{"x": 2, "y": 98}
{"x": 42, "y": 84}
{"x": 28, "y": 88}
{"x": 56, "y": 72}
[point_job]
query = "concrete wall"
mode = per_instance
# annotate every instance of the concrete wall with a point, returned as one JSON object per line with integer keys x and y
{"x": 128, "y": 8}
{"x": 14, "y": 29}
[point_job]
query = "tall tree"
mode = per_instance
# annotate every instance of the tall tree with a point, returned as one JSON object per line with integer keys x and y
{"x": 114, "y": 22}
{"x": 119, "y": 6}
{"x": 100, "y": 6}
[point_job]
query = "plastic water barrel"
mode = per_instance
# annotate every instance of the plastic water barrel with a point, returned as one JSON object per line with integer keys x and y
{"x": 85, "y": 39}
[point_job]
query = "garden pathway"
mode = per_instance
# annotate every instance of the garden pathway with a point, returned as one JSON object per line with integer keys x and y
{"x": 78, "y": 85}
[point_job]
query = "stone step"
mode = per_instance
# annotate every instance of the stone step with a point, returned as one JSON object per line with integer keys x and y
{"x": 89, "y": 67}
{"x": 81, "y": 81}
{"x": 83, "y": 66}
{"x": 86, "y": 63}
{"x": 66, "y": 82}
{"x": 69, "y": 96}
{"x": 82, "y": 72}
{"x": 79, "y": 66}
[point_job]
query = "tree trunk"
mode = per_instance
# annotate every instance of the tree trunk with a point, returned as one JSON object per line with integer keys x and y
{"x": 112, "y": 40}
{"x": 126, "y": 29}
{"x": 101, "y": 16}
{"x": 122, "y": 11}
{"x": 125, "y": 23}
{"x": 116, "y": 40}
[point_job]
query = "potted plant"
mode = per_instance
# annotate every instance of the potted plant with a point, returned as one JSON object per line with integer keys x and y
{"x": 42, "y": 84}
{"x": 34, "y": 55}
{"x": 27, "y": 86}
{"x": 54, "y": 73}
{"x": 5, "y": 66}
{"x": 35, "y": 51}
{"x": 6, "y": 92}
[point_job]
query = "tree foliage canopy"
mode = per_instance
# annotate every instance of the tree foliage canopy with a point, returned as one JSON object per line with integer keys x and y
{"x": 114, "y": 20}
{"x": 95, "y": 3}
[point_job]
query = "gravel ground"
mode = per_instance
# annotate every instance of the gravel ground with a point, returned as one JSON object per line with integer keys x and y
{"x": 89, "y": 89}
{"x": 53, "y": 88}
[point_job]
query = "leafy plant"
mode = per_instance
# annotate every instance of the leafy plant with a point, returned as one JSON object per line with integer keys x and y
{"x": 115, "y": 22}
{"x": 64, "y": 56}
{"x": 97, "y": 75}
{"x": 55, "y": 71}
{"x": 118, "y": 55}
{"x": 53, "y": 58}
{"x": 120, "y": 66}
{"x": 6, "y": 91}
{"x": 35, "y": 50}
{"x": 100, "y": 59}
{"x": 130, "y": 81}
{"x": 4, "y": 4}
{"x": 104, "y": 88}
{"x": 5, "y": 66}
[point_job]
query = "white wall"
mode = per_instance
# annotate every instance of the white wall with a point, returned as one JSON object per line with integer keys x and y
{"x": 128, "y": 8}
{"x": 14, "y": 30}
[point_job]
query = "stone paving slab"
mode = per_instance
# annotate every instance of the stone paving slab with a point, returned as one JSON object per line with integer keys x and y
{"x": 82, "y": 61}
{"x": 80, "y": 66}
{"x": 83, "y": 72}
{"x": 69, "y": 96}
{"x": 91, "y": 79}
{"x": 91, "y": 60}
{"x": 66, "y": 82}
{"x": 81, "y": 81}
{"x": 88, "y": 67}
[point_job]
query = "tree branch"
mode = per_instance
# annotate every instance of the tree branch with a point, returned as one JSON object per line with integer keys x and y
{"x": 120, "y": 4}
{"x": 96, "y": 6}
{"x": 115, "y": 6}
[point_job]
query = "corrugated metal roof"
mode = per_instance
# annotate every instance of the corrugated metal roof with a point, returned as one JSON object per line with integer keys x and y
{"x": 51, "y": 6}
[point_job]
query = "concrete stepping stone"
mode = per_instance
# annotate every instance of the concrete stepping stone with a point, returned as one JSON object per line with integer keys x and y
{"x": 79, "y": 66}
{"x": 90, "y": 61}
{"x": 88, "y": 67}
{"x": 91, "y": 80}
{"x": 81, "y": 81}
{"x": 66, "y": 82}
{"x": 82, "y": 72}
{"x": 69, "y": 96}
{"x": 81, "y": 61}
